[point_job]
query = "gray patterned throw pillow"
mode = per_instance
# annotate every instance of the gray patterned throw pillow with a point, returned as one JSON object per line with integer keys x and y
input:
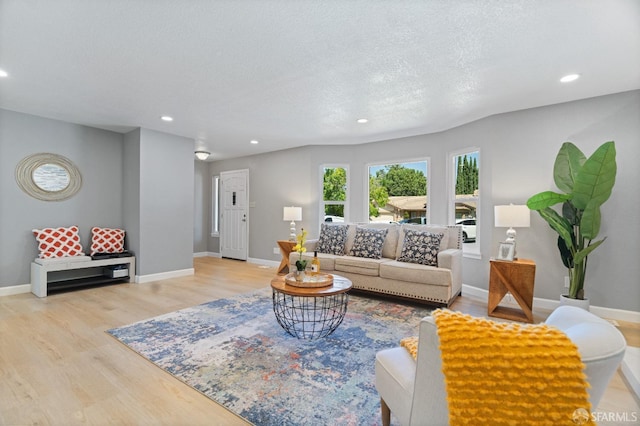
{"x": 420, "y": 247}
{"x": 368, "y": 243}
{"x": 332, "y": 239}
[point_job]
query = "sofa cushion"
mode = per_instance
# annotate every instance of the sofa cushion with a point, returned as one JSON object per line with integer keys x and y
{"x": 359, "y": 265}
{"x": 420, "y": 247}
{"x": 390, "y": 242}
{"x": 327, "y": 261}
{"x": 368, "y": 243}
{"x": 332, "y": 239}
{"x": 414, "y": 272}
{"x": 444, "y": 244}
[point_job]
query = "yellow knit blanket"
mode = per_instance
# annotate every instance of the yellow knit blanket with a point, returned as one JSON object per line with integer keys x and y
{"x": 510, "y": 374}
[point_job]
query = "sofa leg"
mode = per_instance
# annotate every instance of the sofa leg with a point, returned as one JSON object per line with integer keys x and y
{"x": 385, "y": 412}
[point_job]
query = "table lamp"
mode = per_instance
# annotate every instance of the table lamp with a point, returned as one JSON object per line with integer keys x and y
{"x": 292, "y": 214}
{"x": 512, "y": 217}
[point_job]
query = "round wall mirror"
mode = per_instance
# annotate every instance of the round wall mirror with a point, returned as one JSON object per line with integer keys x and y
{"x": 48, "y": 177}
{"x": 51, "y": 177}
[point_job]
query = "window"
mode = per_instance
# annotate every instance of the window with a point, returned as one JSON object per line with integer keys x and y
{"x": 215, "y": 206}
{"x": 465, "y": 197}
{"x": 398, "y": 192}
{"x": 335, "y": 184}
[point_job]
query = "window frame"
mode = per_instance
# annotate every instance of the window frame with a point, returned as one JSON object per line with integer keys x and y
{"x": 324, "y": 202}
{"x": 469, "y": 251}
{"x": 215, "y": 206}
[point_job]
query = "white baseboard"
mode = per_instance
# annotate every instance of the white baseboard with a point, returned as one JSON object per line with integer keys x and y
{"x": 264, "y": 262}
{"x": 207, "y": 254}
{"x": 549, "y": 305}
{"x": 164, "y": 275}
{"x": 15, "y": 289}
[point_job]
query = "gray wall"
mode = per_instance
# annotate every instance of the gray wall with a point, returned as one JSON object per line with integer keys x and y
{"x": 201, "y": 208}
{"x": 98, "y": 155}
{"x": 142, "y": 181}
{"x": 165, "y": 186}
{"x": 517, "y": 154}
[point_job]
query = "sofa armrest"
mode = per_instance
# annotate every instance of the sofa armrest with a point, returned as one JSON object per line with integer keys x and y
{"x": 452, "y": 259}
{"x": 311, "y": 245}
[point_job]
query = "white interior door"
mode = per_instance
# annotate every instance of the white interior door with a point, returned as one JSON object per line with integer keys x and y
{"x": 234, "y": 220}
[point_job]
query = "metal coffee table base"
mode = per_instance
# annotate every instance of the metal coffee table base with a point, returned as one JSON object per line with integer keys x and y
{"x": 309, "y": 317}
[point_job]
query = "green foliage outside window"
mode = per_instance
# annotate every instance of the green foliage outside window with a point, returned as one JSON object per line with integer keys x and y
{"x": 467, "y": 176}
{"x": 402, "y": 181}
{"x": 394, "y": 180}
{"x": 334, "y": 189}
{"x": 378, "y": 196}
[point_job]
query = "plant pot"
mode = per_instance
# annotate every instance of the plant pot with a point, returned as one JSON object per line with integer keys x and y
{"x": 580, "y": 303}
{"x": 299, "y": 275}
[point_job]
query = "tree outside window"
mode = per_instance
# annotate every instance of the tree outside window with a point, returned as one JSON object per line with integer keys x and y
{"x": 466, "y": 196}
{"x": 334, "y": 194}
{"x": 398, "y": 192}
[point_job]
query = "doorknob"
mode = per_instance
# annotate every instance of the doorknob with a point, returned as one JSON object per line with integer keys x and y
{"x": 244, "y": 217}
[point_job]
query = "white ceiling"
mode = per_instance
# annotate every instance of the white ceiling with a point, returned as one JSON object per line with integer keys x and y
{"x": 292, "y": 73}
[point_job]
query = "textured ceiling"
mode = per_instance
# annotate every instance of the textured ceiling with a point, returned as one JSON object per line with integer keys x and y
{"x": 292, "y": 73}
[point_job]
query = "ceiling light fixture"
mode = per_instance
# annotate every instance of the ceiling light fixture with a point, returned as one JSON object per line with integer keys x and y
{"x": 362, "y": 120}
{"x": 3, "y": 73}
{"x": 166, "y": 118}
{"x": 254, "y": 142}
{"x": 202, "y": 155}
{"x": 570, "y": 77}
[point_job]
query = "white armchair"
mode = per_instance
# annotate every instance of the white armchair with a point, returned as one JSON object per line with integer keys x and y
{"x": 414, "y": 390}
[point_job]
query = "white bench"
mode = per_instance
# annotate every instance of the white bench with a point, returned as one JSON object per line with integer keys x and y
{"x": 40, "y": 280}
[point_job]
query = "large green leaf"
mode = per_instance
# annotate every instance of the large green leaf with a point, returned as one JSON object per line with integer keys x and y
{"x": 565, "y": 253}
{"x": 546, "y": 199}
{"x": 590, "y": 223}
{"x": 582, "y": 254}
{"x": 595, "y": 179}
{"x": 560, "y": 225}
{"x": 565, "y": 169}
{"x": 570, "y": 213}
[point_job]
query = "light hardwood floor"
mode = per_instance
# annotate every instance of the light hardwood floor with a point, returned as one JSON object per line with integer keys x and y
{"x": 59, "y": 367}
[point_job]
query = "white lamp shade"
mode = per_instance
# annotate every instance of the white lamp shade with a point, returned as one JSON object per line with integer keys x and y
{"x": 512, "y": 216}
{"x": 292, "y": 213}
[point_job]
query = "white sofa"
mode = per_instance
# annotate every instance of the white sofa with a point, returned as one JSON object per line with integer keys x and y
{"x": 436, "y": 285}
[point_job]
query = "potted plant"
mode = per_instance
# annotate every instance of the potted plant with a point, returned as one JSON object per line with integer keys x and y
{"x": 301, "y": 265}
{"x": 586, "y": 184}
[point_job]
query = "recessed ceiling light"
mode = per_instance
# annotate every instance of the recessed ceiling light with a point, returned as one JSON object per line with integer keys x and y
{"x": 3, "y": 73}
{"x": 362, "y": 120}
{"x": 570, "y": 77}
{"x": 254, "y": 142}
{"x": 166, "y": 118}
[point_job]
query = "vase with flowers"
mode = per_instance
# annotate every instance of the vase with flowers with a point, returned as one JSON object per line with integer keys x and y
{"x": 301, "y": 264}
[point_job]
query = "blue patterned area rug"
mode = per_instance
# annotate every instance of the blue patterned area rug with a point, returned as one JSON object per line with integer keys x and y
{"x": 234, "y": 352}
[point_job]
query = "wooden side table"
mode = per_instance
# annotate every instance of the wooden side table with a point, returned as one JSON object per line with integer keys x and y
{"x": 516, "y": 277}
{"x": 285, "y": 249}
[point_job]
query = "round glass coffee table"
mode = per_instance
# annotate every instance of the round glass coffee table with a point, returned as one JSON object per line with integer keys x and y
{"x": 310, "y": 313}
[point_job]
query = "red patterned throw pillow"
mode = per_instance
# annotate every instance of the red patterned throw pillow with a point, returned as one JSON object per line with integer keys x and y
{"x": 58, "y": 242}
{"x": 106, "y": 240}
